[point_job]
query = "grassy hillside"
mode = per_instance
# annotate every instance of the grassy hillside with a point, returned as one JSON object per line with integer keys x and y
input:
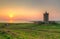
{"x": 29, "y": 31}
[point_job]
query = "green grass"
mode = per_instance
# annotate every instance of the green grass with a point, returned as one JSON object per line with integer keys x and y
{"x": 29, "y": 31}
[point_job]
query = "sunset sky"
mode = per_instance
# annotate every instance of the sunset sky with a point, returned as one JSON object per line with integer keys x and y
{"x": 28, "y": 10}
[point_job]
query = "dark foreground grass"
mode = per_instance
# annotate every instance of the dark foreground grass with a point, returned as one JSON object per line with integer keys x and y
{"x": 29, "y": 31}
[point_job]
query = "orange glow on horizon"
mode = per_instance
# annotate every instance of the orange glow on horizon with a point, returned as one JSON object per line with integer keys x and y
{"x": 21, "y": 14}
{"x": 10, "y": 21}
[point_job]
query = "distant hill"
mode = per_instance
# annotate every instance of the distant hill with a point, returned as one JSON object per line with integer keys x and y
{"x": 58, "y": 22}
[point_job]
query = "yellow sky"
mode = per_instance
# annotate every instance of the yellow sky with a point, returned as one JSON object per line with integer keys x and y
{"x": 20, "y": 13}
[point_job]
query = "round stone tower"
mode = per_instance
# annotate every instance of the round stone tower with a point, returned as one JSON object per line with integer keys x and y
{"x": 46, "y": 17}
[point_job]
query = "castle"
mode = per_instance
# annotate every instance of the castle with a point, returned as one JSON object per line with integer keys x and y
{"x": 45, "y": 19}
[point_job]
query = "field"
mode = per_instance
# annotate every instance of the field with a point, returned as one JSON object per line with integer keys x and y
{"x": 29, "y": 31}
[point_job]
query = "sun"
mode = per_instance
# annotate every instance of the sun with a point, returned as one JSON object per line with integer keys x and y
{"x": 11, "y": 15}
